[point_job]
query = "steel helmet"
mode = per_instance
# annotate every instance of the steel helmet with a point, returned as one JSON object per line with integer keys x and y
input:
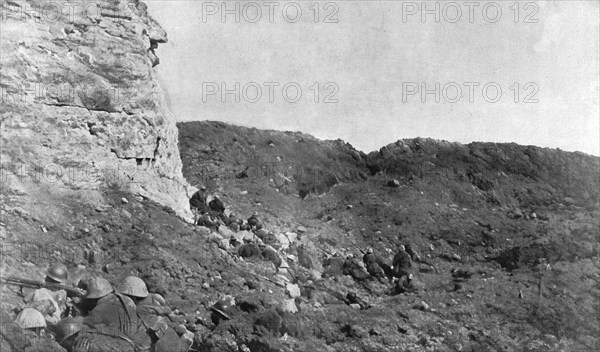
{"x": 222, "y": 307}
{"x": 58, "y": 272}
{"x": 98, "y": 287}
{"x": 284, "y": 265}
{"x": 203, "y": 188}
{"x": 402, "y": 248}
{"x": 67, "y": 327}
{"x": 133, "y": 286}
{"x": 292, "y": 257}
{"x": 370, "y": 251}
{"x": 30, "y": 318}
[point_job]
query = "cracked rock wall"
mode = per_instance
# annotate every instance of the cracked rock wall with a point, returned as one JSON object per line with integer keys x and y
{"x": 82, "y": 111}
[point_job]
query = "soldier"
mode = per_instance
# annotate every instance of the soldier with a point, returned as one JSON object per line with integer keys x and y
{"x": 293, "y": 267}
{"x": 112, "y": 311}
{"x": 30, "y": 318}
{"x": 352, "y": 298}
{"x": 234, "y": 223}
{"x": 74, "y": 336}
{"x": 249, "y": 249}
{"x": 254, "y": 223}
{"x": 56, "y": 298}
{"x": 33, "y": 327}
{"x": 270, "y": 254}
{"x": 209, "y": 221}
{"x": 198, "y": 202}
{"x": 57, "y": 273}
{"x": 402, "y": 263}
{"x": 221, "y": 310}
{"x": 405, "y": 284}
{"x": 355, "y": 268}
{"x": 372, "y": 262}
{"x": 542, "y": 268}
{"x": 151, "y": 313}
{"x": 216, "y": 205}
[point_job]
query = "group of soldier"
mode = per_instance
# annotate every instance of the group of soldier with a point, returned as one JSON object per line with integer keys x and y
{"x": 211, "y": 214}
{"x": 373, "y": 267}
{"x": 97, "y": 317}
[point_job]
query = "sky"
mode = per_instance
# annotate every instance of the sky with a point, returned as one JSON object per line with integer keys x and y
{"x": 373, "y": 72}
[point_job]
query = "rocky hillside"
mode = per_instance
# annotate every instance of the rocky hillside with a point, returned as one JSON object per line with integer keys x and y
{"x": 291, "y": 161}
{"x": 508, "y": 174}
{"x": 493, "y": 209}
{"x": 81, "y": 106}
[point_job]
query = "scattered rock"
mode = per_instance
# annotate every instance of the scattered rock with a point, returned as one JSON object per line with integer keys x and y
{"x": 354, "y": 331}
{"x": 288, "y": 306}
{"x": 421, "y": 306}
{"x": 291, "y": 236}
{"x": 393, "y": 183}
{"x": 292, "y": 290}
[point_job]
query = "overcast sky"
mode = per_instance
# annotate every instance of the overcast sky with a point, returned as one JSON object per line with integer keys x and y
{"x": 527, "y": 74}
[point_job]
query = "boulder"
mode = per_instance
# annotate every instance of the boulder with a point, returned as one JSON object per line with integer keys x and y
{"x": 292, "y": 290}
{"x": 291, "y": 236}
{"x": 393, "y": 183}
{"x": 288, "y": 306}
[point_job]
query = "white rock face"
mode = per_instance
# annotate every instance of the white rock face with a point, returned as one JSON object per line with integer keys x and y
{"x": 83, "y": 112}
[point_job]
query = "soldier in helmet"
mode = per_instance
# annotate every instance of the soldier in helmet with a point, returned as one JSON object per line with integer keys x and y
{"x": 270, "y": 254}
{"x": 249, "y": 249}
{"x": 152, "y": 314}
{"x": 221, "y": 310}
{"x": 373, "y": 264}
{"x": 57, "y": 273}
{"x": 111, "y": 310}
{"x": 355, "y": 268}
{"x": 198, "y": 202}
{"x": 33, "y": 326}
{"x": 52, "y": 302}
{"x": 352, "y": 298}
{"x": 216, "y": 205}
{"x": 405, "y": 284}
{"x": 30, "y": 318}
{"x": 254, "y": 222}
{"x": 146, "y": 303}
{"x": 74, "y": 336}
{"x": 402, "y": 263}
{"x": 233, "y": 223}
